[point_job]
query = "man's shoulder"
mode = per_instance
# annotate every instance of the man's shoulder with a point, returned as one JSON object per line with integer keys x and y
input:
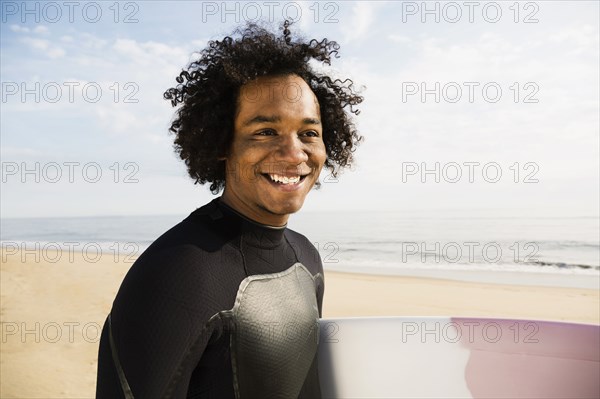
{"x": 198, "y": 233}
{"x": 187, "y": 251}
{"x": 298, "y": 238}
{"x": 198, "y": 228}
{"x": 307, "y": 253}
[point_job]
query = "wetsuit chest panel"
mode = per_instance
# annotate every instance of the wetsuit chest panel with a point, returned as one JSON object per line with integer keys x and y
{"x": 274, "y": 334}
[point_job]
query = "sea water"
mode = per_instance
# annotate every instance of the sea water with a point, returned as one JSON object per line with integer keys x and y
{"x": 553, "y": 251}
{"x": 563, "y": 250}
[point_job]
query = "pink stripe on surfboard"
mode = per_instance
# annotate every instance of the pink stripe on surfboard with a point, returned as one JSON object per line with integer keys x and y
{"x": 531, "y": 359}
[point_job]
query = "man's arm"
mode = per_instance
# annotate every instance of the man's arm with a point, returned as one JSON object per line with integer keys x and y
{"x": 157, "y": 324}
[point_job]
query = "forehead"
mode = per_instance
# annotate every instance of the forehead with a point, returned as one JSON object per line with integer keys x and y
{"x": 287, "y": 95}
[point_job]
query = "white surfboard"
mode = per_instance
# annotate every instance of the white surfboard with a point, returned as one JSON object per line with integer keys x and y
{"x": 435, "y": 357}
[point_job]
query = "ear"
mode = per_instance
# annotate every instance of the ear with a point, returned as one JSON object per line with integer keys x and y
{"x": 223, "y": 156}
{"x": 224, "y": 152}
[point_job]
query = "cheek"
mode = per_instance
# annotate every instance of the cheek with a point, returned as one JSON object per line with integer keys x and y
{"x": 320, "y": 154}
{"x": 245, "y": 152}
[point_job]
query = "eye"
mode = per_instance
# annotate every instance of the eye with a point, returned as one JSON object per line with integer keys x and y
{"x": 311, "y": 133}
{"x": 266, "y": 132}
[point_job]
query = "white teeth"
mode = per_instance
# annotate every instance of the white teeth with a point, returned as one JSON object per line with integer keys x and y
{"x": 284, "y": 179}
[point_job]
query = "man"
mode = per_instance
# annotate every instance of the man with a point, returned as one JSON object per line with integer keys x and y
{"x": 226, "y": 303}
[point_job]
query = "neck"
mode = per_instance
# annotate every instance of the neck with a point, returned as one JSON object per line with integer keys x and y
{"x": 266, "y": 219}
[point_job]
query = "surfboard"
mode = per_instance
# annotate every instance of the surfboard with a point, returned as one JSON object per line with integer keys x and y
{"x": 435, "y": 357}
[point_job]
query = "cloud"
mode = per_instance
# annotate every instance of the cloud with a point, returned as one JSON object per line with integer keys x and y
{"x": 92, "y": 42}
{"x": 560, "y": 132}
{"x": 149, "y": 53}
{"x": 10, "y": 153}
{"x": 363, "y": 16}
{"x": 200, "y": 43}
{"x": 580, "y": 39}
{"x": 41, "y": 29}
{"x": 47, "y": 48}
{"x": 400, "y": 39}
{"x": 18, "y": 28}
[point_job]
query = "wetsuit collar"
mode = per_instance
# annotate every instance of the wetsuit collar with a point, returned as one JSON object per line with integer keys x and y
{"x": 253, "y": 233}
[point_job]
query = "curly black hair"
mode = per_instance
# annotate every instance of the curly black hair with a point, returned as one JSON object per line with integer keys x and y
{"x": 210, "y": 87}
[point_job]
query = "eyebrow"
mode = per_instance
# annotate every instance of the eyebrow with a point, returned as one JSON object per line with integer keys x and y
{"x": 274, "y": 119}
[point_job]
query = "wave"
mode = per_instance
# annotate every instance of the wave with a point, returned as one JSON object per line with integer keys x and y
{"x": 563, "y": 265}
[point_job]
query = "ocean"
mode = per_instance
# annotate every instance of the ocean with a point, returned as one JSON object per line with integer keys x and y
{"x": 559, "y": 251}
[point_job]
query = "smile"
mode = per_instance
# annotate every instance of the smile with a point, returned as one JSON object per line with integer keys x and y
{"x": 290, "y": 182}
{"x": 285, "y": 179}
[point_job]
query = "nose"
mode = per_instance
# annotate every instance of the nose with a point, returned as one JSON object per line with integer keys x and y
{"x": 292, "y": 150}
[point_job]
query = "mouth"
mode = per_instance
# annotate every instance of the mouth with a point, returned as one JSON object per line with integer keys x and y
{"x": 285, "y": 182}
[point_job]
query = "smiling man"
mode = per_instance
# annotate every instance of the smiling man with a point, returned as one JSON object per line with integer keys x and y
{"x": 278, "y": 145}
{"x": 226, "y": 303}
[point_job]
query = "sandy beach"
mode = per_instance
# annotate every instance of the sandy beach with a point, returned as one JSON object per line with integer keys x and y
{"x": 53, "y": 305}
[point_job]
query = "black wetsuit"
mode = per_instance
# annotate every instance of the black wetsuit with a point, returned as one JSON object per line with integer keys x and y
{"x": 217, "y": 307}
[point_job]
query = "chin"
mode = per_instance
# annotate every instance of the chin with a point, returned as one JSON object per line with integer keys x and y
{"x": 287, "y": 207}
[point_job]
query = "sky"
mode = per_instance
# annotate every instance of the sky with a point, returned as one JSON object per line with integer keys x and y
{"x": 474, "y": 108}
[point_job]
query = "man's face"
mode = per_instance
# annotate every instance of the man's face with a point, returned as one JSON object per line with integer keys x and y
{"x": 277, "y": 151}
